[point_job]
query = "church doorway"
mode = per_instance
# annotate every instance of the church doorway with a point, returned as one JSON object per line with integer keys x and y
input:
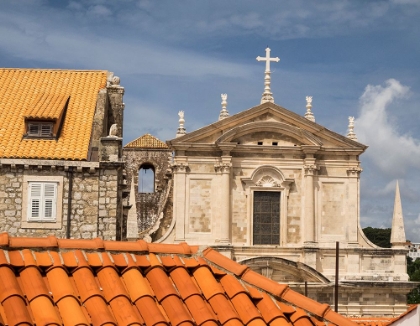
{"x": 266, "y": 218}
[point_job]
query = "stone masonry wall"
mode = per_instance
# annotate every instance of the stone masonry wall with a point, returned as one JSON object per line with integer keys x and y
{"x": 93, "y": 206}
{"x": 149, "y": 205}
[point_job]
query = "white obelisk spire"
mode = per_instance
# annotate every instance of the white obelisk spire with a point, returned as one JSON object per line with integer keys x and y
{"x": 397, "y": 232}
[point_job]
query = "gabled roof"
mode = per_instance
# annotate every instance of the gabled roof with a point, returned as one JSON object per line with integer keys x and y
{"x": 41, "y": 94}
{"x": 146, "y": 141}
{"x": 278, "y": 118}
{"x": 50, "y": 281}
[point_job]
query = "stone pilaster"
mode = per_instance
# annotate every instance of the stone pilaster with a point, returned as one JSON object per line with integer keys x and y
{"x": 353, "y": 206}
{"x": 179, "y": 169}
{"x": 309, "y": 227}
{"x": 225, "y": 167}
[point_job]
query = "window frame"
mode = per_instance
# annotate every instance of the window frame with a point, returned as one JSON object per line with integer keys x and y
{"x": 258, "y": 221}
{"x": 53, "y": 222}
{"x": 44, "y": 129}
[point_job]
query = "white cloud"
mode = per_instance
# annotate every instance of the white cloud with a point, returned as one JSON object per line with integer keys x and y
{"x": 99, "y": 10}
{"x": 390, "y": 149}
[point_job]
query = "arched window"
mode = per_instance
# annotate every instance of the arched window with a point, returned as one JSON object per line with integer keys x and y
{"x": 146, "y": 178}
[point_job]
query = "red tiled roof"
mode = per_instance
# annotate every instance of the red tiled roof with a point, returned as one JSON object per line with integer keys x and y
{"x": 50, "y": 281}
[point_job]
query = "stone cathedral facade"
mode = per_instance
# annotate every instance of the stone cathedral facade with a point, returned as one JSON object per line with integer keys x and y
{"x": 276, "y": 190}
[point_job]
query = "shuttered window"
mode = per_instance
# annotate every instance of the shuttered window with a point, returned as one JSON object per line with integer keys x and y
{"x": 40, "y": 129}
{"x": 42, "y": 204}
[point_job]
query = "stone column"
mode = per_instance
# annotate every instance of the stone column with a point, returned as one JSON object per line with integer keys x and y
{"x": 225, "y": 168}
{"x": 179, "y": 214}
{"x": 309, "y": 228}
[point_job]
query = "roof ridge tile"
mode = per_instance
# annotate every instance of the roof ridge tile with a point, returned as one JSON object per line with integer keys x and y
{"x": 338, "y": 319}
{"x": 223, "y": 261}
{"x": 306, "y": 303}
{"x": 30, "y": 242}
{"x": 264, "y": 283}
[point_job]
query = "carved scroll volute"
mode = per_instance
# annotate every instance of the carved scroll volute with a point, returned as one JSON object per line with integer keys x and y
{"x": 310, "y": 169}
{"x": 223, "y": 167}
{"x": 179, "y": 167}
{"x": 354, "y": 171}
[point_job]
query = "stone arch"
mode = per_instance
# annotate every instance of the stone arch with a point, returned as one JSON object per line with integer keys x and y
{"x": 284, "y": 270}
{"x": 268, "y": 176}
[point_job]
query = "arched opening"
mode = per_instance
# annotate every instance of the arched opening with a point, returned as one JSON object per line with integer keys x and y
{"x": 146, "y": 179}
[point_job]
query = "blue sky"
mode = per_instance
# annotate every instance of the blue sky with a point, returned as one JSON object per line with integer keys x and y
{"x": 356, "y": 58}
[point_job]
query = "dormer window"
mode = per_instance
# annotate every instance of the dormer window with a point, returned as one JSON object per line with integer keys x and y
{"x": 40, "y": 129}
{"x": 45, "y": 116}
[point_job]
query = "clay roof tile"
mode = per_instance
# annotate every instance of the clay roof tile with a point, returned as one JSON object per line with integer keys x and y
{"x": 76, "y": 284}
{"x": 224, "y": 262}
{"x": 36, "y": 93}
{"x": 146, "y": 141}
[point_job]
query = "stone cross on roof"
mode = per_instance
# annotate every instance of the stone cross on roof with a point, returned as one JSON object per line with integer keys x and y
{"x": 267, "y": 95}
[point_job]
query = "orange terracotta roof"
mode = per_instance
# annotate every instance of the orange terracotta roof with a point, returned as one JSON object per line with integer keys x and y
{"x": 146, "y": 141}
{"x": 93, "y": 282}
{"x": 37, "y": 93}
{"x": 47, "y": 106}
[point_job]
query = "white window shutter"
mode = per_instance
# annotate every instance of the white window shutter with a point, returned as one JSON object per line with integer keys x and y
{"x": 35, "y": 202}
{"x": 49, "y": 200}
{"x": 42, "y": 201}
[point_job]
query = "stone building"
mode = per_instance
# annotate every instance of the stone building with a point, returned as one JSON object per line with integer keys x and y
{"x": 276, "y": 191}
{"x": 147, "y": 164}
{"x": 61, "y": 171}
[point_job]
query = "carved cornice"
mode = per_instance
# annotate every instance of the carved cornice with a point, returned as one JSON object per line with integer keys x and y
{"x": 116, "y": 89}
{"x": 354, "y": 171}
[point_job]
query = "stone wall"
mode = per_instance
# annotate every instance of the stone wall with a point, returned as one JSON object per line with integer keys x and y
{"x": 95, "y": 204}
{"x": 150, "y": 207}
{"x": 360, "y": 299}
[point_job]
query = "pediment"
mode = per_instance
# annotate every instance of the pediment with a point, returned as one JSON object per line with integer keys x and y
{"x": 268, "y": 124}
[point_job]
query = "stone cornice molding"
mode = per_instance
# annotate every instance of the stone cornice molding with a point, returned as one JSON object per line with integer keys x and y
{"x": 116, "y": 90}
{"x": 54, "y": 165}
{"x": 226, "y": 148}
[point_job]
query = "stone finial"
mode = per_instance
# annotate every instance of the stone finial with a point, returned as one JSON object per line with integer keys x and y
{"x": 267, "y": 96}
{"x": 224, "y": 112}
{"x": 309, "y": 115}
{"x": 115, "y": 81}
{"x": 397, "y": 231}
{"x": 181, "y": 129}
{"x": 350, "y": 132}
